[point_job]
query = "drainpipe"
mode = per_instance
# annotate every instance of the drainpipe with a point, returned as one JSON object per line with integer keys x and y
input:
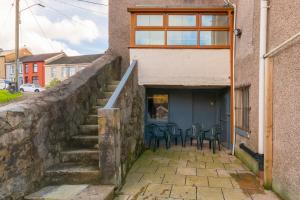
{"x": 228, "y": 2}
{"x": 261, "y": 92}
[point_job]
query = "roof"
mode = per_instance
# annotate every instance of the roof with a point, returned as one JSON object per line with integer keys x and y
{"x": 76, "y": 59}
{"x": 39, "y": 57}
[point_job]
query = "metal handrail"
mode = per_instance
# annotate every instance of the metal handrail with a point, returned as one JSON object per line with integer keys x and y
{"x": 113, "y": 99}
{"x": 279, "y": 47}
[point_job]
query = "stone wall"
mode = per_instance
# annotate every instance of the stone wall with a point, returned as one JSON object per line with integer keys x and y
{"x": 33, "y": 131}
{"x": 122, "y": 131}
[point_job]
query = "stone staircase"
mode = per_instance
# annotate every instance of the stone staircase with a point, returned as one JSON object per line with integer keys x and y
{"x": 79, "y": 161}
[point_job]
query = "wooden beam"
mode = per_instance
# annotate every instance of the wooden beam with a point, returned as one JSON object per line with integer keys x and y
{"x": 268, "y": 157}
{"x": 180, "y": 9}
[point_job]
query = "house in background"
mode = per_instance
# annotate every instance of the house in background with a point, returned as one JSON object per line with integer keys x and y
{"x": 7, "y": 64}
{"x": 10, "y": 65}
{"x": 34, "y": 69}
{"x": 67, "y": 66}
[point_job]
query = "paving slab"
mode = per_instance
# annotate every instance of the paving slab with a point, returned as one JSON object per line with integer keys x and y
{"x": 196, "y": 181}
{"x": 207, "y": 172}
{"x": 205, "y": 193}
{"x": 166, "y": 170}
{"x": 158, "y": 190}
{"x": 186, "y": 171}
{"x": 236, "y": 194}
{"x": 174, "y": 179}
{"x": 184, "y": 192}
{"x": 152, "y": 178}
{"x": 220, "y": 182}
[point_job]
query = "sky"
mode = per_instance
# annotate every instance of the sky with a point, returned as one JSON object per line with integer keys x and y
{"x": 72, "y": 26}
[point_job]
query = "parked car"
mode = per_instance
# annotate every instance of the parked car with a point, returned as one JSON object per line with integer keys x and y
{"x": 2, "y": 85}
{"x": 31, "y": 88}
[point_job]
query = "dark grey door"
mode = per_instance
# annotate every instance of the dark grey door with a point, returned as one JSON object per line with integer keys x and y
{"x": 204, "y": 109}
{"x": 181, "y": 109}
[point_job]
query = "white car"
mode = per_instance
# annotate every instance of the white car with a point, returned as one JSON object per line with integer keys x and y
{"x": 31, "y": 88}
{"x": 2, "y": 85}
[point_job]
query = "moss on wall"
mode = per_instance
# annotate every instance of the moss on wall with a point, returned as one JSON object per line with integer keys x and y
{"x": 250, "y": 162}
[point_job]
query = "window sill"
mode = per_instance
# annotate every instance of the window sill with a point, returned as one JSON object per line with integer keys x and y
{"x": 242, "y": 133}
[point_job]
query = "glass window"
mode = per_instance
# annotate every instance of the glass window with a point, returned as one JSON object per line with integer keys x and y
{"x": 182, "y": 37}
{"x": 149, "y": 38}
{"x": 214, "y": 20}
{"x": 20, "y": 69}
{"x": 149, "y": 20}
{"x": 213, "y": 37}
{"x": 158, "y": 107}
{"x": 242, "y": 108}
{"x": 26, "y": 69}
{"x": 65, "y": 72}
{"x": 182, "y": 20}
{"x": 35, "y": 68}
{"x": 72, "y": 71}
{"x": 53, "y": 72}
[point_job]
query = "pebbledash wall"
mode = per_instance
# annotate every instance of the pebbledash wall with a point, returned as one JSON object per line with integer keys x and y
{"x": 283, "y": 22}
{"x": 33, "y": 131}
{"x": 119, "y": 21}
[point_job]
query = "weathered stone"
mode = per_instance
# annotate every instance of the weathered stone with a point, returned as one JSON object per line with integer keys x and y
{"x": 34, "y": 131}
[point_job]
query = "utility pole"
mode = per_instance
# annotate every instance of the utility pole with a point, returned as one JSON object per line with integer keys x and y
{"x": 17, "y": 43}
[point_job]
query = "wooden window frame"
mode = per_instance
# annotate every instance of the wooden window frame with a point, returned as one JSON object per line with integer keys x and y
{"x": 166, "y": 27}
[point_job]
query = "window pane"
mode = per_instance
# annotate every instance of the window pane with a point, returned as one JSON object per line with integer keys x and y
{"x": 158, "y": 108}
{"x": 182, "y": 20}
{"x": 214, "y": 20}
{"x": 149, "y": 20}
{"x": 149, "y": 38}
{"x": 213, "y": 37}
{"x": 182, "y": 37}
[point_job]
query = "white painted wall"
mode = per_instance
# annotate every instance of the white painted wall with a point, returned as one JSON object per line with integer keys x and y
{"x": 183, "y": 67}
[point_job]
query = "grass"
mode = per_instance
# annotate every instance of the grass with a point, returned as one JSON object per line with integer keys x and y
{"x": 6, "y": 96}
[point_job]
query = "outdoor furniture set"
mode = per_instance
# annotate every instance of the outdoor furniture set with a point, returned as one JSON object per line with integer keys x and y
{"x": 171, "y": 132}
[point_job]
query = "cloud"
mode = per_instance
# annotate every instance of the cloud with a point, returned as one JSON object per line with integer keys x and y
{"x": 51, "y": 34}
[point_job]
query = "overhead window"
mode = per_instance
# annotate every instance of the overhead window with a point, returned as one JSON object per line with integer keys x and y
{"x": 26, "y": 69}
{"x": 182, "y": 37}
{"x": 214, "y": 20}
{"x": 182, "y": 20}
{"x": 35, "y": 68}
{"x": 149, "y": 38}
{"x": 213, "y": 37}
{"x": 181, "y": 30}
{"x": 149, "y": 20}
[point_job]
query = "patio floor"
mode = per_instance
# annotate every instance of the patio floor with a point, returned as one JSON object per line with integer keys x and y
{"x": 188, "y": 173}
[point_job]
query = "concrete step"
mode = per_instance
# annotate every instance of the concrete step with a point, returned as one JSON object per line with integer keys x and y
{"x": 85, "y": 141}
{"x": 94, "y": 110}
{"x": 111, "y": 88}
{"x": 113, "y": 83}
{"x": 80, "y": 155}
{"x": 108, "y": 94}
{"x": 88, "y": 129}
{"x": 74, "y": 192}
{"x": 92, "y": 119}
{"x": 102, "y": 102}
{"x": 73, "y": 173}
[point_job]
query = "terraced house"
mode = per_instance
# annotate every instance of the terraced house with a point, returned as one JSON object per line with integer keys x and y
{"x": 195, "y": 99}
